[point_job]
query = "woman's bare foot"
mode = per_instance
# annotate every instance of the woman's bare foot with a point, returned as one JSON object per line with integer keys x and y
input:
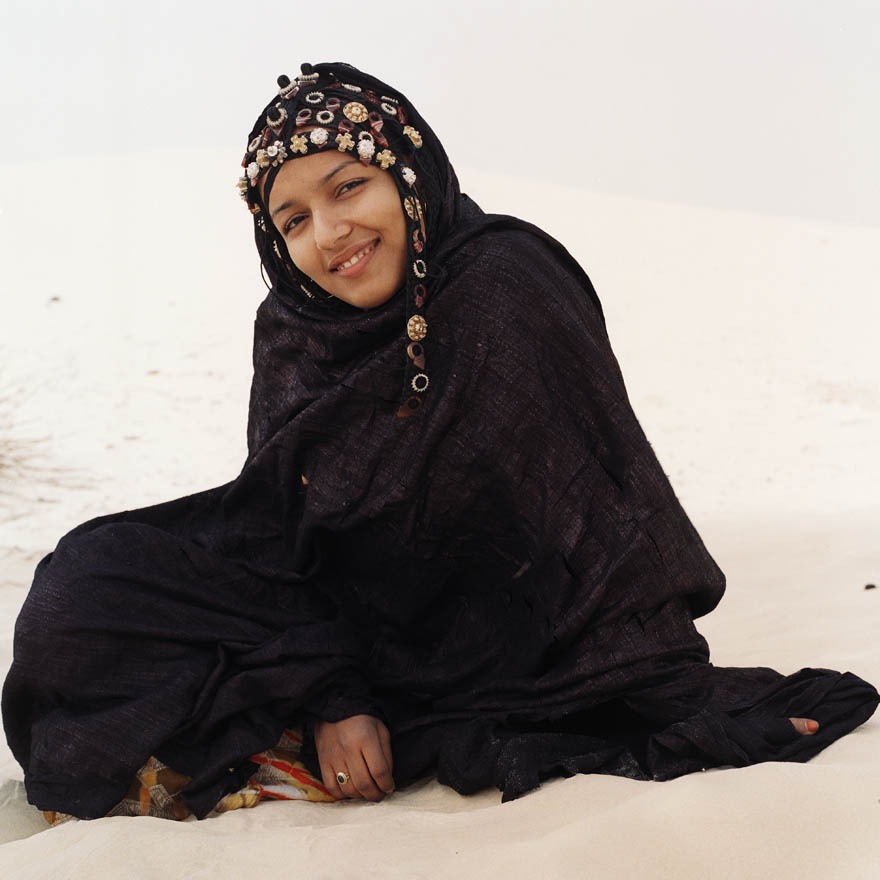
{"x": 805, "y": 726}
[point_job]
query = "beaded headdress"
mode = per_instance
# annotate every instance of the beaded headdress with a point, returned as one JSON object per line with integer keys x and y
{"x": 335, "y": 107}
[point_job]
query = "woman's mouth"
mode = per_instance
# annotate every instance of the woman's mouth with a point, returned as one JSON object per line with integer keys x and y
{"x": 357, "y": 261}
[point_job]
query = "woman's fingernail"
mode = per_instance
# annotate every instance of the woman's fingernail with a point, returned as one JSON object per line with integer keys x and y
{"x": 812, "y": 726}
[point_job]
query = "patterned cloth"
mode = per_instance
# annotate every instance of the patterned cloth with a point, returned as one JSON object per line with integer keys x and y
{"x": 280, "y": 776}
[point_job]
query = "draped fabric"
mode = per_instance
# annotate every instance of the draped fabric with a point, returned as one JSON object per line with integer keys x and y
{"x": 507, "y": 579}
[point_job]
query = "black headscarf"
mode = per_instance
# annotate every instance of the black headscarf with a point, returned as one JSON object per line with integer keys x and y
{"x": 506, "y": 578}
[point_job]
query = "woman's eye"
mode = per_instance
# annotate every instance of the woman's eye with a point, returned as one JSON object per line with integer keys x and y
{"x": 294, "y": 222}
{"x": 349, "y": 185}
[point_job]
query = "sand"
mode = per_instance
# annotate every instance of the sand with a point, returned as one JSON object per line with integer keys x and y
{"x": 124, "y": 354}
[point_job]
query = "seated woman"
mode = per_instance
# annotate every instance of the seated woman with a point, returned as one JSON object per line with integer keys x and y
{"x": 450, "y": 550}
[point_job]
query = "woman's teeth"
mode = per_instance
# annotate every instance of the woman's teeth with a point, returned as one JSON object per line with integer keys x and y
{"x": 358, "y": 256}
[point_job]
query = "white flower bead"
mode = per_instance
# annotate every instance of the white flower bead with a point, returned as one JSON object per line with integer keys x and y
{"x": 253, "y": 171}
{"x": 366, "y": 148}
{"x": 318, "y": 137}
{"x": 409, "y": 176}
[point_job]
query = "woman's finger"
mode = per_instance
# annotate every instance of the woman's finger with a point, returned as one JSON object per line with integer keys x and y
{"x": 328, "y": 777}
{"x": 362, "y": 781}
{"x": 332, "y": 764}
{"x": 385, "y": 742}
{"x": 377, "y": 756}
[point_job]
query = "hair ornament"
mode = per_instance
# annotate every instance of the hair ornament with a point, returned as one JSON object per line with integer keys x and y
{"x": 307, "y": 76}
{"x": 276, "y": 153}
{"x": 304, "y": 117}
{"x": 318, "y": 136}
{"x": 420, "y": 382}
{"x": 325, "y": 117}
{"x": 314, "y": 97}
{"x": 376, "y": 122}
{"x": 413, "y": 135}
{"x": 388, "y": 108}
{"x": 366, "y": 147}
{"x": 344, "y": 142}
{"x": 355, "y": 111}
{"x": 285, "y": 87}
{"x": 299, "y": 144}
{"x": 351, "y": 88}
{"x": 408, "y": 175}
{"x": 420, "y": 270}
{"x": 275, "y": 118}
{"x": 386, "y": 159}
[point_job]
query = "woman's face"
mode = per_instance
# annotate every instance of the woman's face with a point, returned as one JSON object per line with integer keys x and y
{"x": 343, "y": 225}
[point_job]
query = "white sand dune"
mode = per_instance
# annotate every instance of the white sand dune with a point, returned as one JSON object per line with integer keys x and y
{"x": 750, "y": 348}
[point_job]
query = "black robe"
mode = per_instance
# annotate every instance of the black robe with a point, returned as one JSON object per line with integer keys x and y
{"x": 507, "y": 578}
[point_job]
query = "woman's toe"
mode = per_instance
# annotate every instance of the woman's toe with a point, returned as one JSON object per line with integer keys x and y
{"x": 805, "y": 726}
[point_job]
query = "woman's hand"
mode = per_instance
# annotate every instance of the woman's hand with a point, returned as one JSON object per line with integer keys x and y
{"x": 360, "y": 747}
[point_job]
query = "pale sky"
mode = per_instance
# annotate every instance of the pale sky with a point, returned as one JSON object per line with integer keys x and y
{"x": 767, "y": 105}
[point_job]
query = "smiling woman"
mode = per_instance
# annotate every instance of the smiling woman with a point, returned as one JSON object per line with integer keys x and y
{"x": 451, "y": 548}
{"x": 343, "y": 226}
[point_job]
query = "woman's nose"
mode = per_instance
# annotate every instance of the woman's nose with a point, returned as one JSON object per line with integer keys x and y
{"x": 329, "y": 228}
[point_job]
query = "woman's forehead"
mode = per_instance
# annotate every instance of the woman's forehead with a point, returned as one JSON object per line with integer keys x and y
{"x": 305, "y": 174}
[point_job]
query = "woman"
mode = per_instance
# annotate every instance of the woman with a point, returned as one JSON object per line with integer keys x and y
{"x": 451, "y": 548}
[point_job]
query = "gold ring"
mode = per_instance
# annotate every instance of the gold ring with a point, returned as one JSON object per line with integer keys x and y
{"x": 342, "y": 777}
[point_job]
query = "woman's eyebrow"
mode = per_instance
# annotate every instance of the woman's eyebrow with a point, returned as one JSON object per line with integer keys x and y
{"x": 344, "y": 164}
{"x": 325, "y": 179}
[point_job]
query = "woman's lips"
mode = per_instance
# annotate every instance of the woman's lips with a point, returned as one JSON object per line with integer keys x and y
{"x": 357, "y": 262}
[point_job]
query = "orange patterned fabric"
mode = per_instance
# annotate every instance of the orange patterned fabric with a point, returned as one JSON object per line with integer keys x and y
{"x": 280, "y": 775}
